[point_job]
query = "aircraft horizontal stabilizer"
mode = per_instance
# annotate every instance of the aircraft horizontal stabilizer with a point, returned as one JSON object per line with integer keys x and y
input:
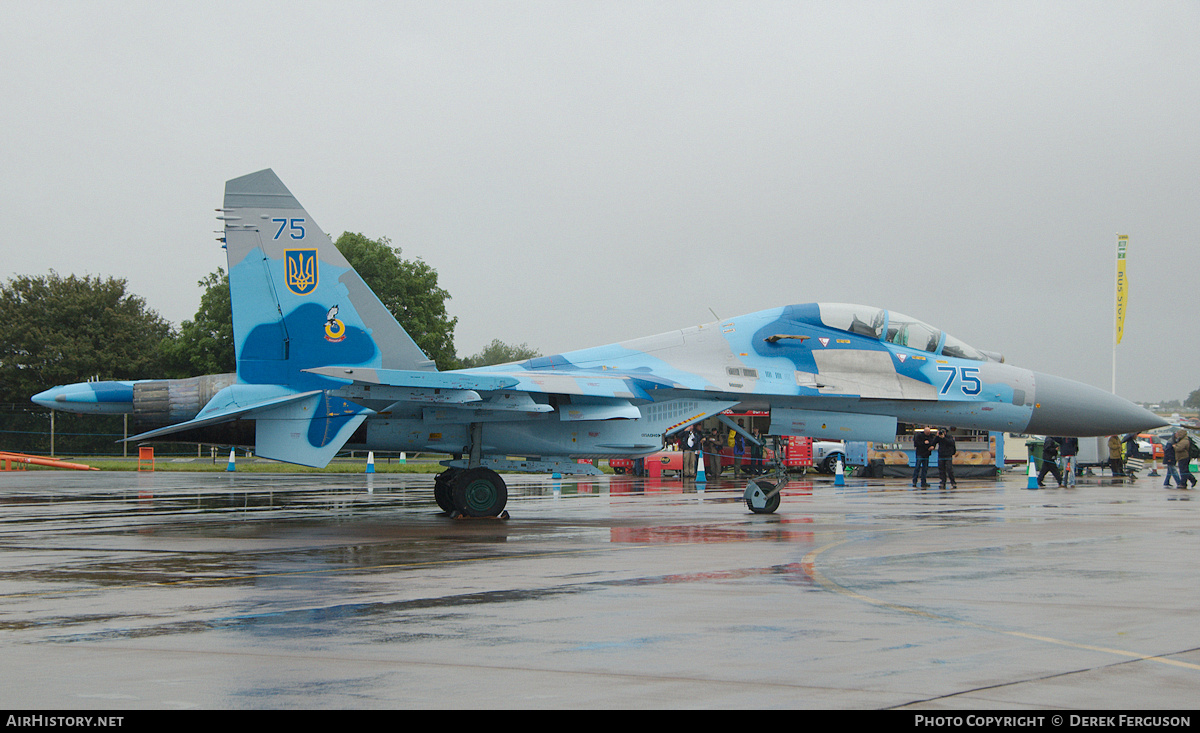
{"x": 306, "y": 428}
{"x": 308, "y": 431}
{"x": 231, "y": 411}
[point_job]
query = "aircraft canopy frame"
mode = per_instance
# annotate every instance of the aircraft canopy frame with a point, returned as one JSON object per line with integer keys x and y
{"x": 895, "y": 328}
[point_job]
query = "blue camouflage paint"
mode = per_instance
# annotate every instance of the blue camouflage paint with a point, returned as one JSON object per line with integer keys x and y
{"x": 113, "y": 391}
{"x": 308, "y": 348}
{"x": 338, "y": 412}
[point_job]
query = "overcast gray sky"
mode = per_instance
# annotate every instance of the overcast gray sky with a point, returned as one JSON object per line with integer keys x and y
{"x": 586, "y": 172}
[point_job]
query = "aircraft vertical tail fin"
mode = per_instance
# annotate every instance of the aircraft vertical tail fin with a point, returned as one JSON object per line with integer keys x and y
{"x": 297, "y": 305}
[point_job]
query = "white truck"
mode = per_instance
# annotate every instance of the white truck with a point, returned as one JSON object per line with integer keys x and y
{"x": 826, "y": 454}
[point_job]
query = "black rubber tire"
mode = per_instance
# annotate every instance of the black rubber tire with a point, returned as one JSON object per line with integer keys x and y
{"x": 829, "y": 465}
{"x": 442, "y": 493}
{"x": 772, "y": 501}
{"x": 478, "y": 492}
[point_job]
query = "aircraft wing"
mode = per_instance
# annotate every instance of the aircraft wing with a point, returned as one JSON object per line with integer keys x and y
{"x": 478, "y": 390}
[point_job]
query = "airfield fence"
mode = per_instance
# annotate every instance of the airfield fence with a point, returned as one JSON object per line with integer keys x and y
{"x": 26, "y": 429}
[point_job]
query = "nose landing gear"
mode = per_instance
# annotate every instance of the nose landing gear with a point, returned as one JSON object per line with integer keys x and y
{"x": 762, "y": 496}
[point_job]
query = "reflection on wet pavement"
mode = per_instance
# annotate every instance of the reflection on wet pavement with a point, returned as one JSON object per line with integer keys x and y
{"x": 353, "y": 591}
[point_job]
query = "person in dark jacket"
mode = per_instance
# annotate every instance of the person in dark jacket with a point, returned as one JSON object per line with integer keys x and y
{"x": 1183, "y": 458}
{"x": 946, "y": 450}
{"x": 1169, "y": 461}
{"x": 713, "y": 450}
{"x": 689, "y": 443}
{"x": 1049, "y": 462}
{"x": 756, "y": 453}
{"x": 923, "y": 443}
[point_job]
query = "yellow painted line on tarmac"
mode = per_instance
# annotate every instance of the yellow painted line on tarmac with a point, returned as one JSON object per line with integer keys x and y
{"x": 809, "y": 563}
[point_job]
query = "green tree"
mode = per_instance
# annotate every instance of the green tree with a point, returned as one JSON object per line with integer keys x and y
{"x": 204, "y": 345}
{"x": 499, "y": 352}
{"x": 68, "y": 329}
{"x": 407, "y": 288}
{"x": 1193, "y": 399}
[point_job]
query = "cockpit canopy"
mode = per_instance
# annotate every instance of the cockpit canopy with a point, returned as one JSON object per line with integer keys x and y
{"x": 899, "y": 329}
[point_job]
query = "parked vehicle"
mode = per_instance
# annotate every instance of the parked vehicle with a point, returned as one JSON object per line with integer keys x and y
{"x": 827, "y": 453}
{"x": 824, "y": 457}
{"x": 1149, "y": 444}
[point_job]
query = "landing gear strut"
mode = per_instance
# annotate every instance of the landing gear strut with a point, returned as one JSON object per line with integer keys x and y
{"x": 762, "y": 495}
{"x": 475, "y": 491}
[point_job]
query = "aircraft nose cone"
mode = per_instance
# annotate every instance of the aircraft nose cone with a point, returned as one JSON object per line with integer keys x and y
{"x": 1068, "y": 408}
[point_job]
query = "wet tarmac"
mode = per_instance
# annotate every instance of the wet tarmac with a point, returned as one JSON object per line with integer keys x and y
{"x": 253, "y": 591}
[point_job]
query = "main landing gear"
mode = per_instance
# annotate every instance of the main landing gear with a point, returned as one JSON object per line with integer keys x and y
{"x": 474, "y": 491}
{"x": 471, "y": 492}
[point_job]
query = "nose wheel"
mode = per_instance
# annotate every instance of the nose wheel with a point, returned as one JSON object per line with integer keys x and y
{"x": 762, "y": 497}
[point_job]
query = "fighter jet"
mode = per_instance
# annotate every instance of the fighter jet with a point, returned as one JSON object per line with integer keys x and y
{"x": 322, "y": 364}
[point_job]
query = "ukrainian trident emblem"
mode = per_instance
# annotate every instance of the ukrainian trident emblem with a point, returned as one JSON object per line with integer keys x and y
{"x": 300, "y": 270}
